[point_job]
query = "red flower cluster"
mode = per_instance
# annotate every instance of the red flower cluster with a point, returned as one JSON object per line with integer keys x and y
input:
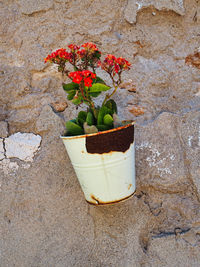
{"x": 123, "y": 63}
{"x": 90, "y": 47}
{"x": 111, "y": 64}
{"x": 58, "y": 56}
{"x": 85, "y": 75}
{"x": 74, "y": 47}
{"x": 61, "y": 55}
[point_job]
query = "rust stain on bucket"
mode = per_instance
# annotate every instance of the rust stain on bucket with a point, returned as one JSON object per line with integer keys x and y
{"x": 99, "y": 202}
{"x": 116, "y": 140}
{"x": 129, "y": 186}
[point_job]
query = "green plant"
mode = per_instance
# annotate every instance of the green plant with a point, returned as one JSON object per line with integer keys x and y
{"x": 85, "y": 85}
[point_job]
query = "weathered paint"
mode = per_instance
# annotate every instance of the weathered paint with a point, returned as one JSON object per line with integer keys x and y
{"x": 106, "y": 177}
{"x": 119, "y": 140}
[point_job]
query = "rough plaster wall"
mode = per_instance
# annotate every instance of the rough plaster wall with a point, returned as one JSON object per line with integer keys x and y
{"x": 44, "y": 219}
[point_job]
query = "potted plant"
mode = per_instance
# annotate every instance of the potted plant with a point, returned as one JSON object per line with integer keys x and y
{"x": 100, "y": 146}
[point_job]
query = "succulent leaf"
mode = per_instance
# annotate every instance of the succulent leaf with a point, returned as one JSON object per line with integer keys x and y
{"x": 90, "y": 119}
{"x": 108, "y": 120}
{"x": 82, "y": 115}
{"x": 96, "y": 112}
{"x": 111, "y": 105}
{"x": 103, "y": 127}
{"x": 102, "y": 112}
{"x": 73, "y": 128}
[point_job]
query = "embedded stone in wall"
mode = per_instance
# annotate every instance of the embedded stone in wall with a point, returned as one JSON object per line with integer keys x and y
{"x": 49, "y": 121}
{"x": 29, "y": 7}
{"x": 189, "y": 129}
{"x": 134, "y": 6}
{"x": 22, "y": 146}
{"x": 160, "y": 160}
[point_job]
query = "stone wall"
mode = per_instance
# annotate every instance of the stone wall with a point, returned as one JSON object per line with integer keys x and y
{"x": 44, "y": 219}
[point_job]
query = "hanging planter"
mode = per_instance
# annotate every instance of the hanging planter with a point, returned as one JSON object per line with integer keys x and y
{"x": 104, "y": 163}
{"x": 99, "y": 144}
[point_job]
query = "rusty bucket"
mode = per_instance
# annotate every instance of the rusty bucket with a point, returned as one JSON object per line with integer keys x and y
{"x": 104, "y": 163}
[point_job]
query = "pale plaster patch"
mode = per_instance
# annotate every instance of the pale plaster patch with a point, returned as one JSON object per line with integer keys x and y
{"x": 22, "y": 146}
{"x": 154, "y": 160}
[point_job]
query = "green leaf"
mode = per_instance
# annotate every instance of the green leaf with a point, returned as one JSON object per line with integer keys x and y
{"x": 99, "y": 87}
{"x": 71, "y": 94}
{"x": 103, "y": 127}
{"x": 99, "y": 80}
{"x": 73, "y": 128}
{"x": 90, "y": 119}
{"x": 74, "y": 120}
{"x": 77, "y": 100}
{"x": 70, "y": 86}
{"x": 102, "y": 112}
{"x": 75, "y": 68}
{"x": 111, "y": 105}
{"x": 97, "y": 54}
{"x": 96, "y": 112}
{"x": 94, "y": 94}
{"x": 108, "y": 120}
{"x": 81, "y": 118}
{"x": 82, "y": 115}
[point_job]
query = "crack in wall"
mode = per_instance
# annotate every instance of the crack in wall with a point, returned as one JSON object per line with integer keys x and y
{"x": 37, "y": 12}
{"x": 175, "y": 232}
{"x": 4, "y": 147}
{"x": 146, "y": 236}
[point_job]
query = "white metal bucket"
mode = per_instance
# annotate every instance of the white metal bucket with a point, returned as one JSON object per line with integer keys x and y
{"x": 106, "y": 171}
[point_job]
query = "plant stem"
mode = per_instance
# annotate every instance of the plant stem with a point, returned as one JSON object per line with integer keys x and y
{"x": 114, "y": 91}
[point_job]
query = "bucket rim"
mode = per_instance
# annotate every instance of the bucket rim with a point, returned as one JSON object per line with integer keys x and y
{"x": 99, "y": 133}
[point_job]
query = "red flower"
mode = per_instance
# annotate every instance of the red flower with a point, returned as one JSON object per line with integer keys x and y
{"x": 73, "y": 47}
{"x": 90, "y": 46}
{"x": 76, "y": 76}
{"x": 88, "y": 82}
{"x": 123, "y": 63}
{"x": 110, "y": 58}
{"x": 85, "y": 75}
{"x": 82, "y": 53}
{"x": 116, "y": 68}
{"x": 57, "y": 56}
{"x": 114, "y": 65}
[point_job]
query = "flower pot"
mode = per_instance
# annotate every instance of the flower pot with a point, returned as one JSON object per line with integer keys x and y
{"x": 104, "y": 163}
